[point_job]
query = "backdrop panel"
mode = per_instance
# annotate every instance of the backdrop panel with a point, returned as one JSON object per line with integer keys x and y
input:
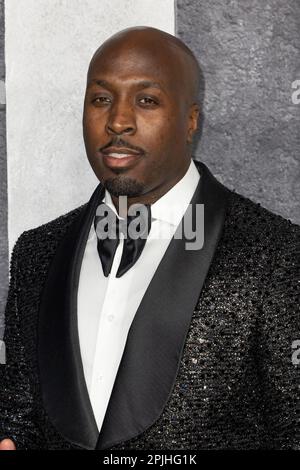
{"x": 48, "y": 47}
{"x": 249, "y": 51}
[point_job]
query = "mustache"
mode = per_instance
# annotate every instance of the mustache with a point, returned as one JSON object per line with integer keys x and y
{"x": 119, "y": 142}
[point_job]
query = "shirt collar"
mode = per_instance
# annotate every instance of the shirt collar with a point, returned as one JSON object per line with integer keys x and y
{"x": 172, "y": 205}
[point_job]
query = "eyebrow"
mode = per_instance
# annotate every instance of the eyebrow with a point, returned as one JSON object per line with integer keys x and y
{"x": 142, "y": 84}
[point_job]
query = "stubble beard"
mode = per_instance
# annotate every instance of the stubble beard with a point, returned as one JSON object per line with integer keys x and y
{"x": 124, "y": 186}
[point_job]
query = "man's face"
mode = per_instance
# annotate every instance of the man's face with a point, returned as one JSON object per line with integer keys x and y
{"x": 136, "y": 105}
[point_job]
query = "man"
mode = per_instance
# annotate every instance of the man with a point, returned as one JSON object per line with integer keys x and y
{"x": 151, "y": 345}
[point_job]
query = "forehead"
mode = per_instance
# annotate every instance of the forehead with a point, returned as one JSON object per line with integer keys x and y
{"x": 122, "y": 63}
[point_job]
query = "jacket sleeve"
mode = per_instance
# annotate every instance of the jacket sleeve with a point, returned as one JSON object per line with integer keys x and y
{"x": 17, "y": 408}
{"x": 279, "y": 330}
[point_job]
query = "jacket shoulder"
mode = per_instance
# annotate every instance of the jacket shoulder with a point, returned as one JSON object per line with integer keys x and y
{"x": 254, "y": 234}
{"x": 48, "y": 233}
{"x": 257, "y": 219}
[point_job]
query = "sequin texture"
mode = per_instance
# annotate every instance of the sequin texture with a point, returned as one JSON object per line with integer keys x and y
{"x": 236, "y": 386}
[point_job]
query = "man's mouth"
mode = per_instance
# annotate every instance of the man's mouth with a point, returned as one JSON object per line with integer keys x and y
{"x": 120, "y": 151}
{"x": 119, "y": 155}
{"x": 120, "y": 158}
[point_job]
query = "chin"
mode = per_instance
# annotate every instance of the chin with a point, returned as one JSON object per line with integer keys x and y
{"x": 124, "y": 186}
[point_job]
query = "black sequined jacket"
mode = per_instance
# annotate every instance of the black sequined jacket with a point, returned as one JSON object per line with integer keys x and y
{"x": 209, "y": 360}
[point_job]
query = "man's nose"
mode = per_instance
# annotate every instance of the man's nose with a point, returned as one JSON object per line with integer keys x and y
{"x": 121, "y": 119}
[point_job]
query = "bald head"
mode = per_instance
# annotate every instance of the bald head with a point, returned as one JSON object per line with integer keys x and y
{"x": 178, "y": 57}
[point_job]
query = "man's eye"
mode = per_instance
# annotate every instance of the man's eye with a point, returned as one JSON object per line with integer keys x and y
{"x": 148, "y": 100}
{"x": 100, "y": 100}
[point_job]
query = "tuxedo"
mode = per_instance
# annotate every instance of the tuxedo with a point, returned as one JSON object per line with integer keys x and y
{"x": 208, "y": 358}
{"x": 106, "y": 305}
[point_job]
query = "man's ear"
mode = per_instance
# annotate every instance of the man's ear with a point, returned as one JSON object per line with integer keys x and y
{"x": 194, "y": 113}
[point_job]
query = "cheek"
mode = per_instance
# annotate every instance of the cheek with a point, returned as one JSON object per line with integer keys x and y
{"x": 157, "y": 130}
{"x": 93, "y": 124}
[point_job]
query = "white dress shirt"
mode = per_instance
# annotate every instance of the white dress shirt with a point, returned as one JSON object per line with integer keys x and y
{"x": 107, "y": 305}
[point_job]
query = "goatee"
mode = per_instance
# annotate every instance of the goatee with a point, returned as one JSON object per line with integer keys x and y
{"x": 123, "y": 186}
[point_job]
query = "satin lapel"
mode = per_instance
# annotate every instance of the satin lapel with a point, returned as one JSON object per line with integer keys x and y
{"x": 149, "y": 365}
{"x": 63, "y": 386}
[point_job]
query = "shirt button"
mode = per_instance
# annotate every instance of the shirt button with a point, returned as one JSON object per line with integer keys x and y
{"x": 110, "y": 317}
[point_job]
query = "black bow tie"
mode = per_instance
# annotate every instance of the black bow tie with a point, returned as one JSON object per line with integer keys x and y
{"x": 135, "y": 228}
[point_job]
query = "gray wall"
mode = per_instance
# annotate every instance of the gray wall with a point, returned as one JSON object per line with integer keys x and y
{"x": 249, "y": 52}
{"x": 3, "y": 184}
